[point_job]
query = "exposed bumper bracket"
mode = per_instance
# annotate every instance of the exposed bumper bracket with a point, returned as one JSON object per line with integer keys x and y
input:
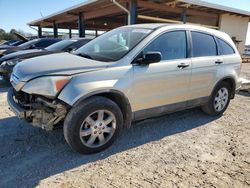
{"x": 19, "y": 111}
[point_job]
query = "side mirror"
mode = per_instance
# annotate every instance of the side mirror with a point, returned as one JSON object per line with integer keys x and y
{"x": 149, "y": 57}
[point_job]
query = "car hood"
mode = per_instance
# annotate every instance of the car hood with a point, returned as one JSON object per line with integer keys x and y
{"x": 24, "y": 54}
{"x": 55, "y": 64}
{"x": 3, "y": 47}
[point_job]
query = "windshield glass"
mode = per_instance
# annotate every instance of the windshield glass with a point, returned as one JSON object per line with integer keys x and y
{"x": 113, "y": 45}
{"x": 27, "y": 44}
{"x": 60, "y": 45}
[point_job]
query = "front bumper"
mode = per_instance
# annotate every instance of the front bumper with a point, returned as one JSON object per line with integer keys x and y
{"x": 15, "y": 107}
{"x": 39, "y": 112}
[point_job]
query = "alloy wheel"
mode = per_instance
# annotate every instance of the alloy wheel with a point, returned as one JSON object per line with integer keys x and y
{"x": 98, "y": 128}
{"x": 221, "y": 99}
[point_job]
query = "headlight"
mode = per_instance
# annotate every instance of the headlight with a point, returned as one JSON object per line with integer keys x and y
{"x": 4, "y": 63}
{"x": 2, "y": 51}
{"x": 48, "y": 86}
{"x": 13, "y": 62}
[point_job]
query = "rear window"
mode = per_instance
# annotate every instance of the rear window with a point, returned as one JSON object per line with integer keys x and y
{"x": 224, "y": 48}
{"x": 203, "y": 44}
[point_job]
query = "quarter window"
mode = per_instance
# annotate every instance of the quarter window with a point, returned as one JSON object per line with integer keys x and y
{"x": 172, "y": 45}
{"x": 203, "y": 44}
{"x": 224, "y": 48}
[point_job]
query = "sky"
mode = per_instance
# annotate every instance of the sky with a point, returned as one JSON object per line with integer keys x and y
{"x": 17, "y": 13}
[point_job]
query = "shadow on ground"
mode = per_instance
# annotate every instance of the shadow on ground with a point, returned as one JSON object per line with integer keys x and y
{"x": 30, "y": 154}
{"x": 244, "y": 93}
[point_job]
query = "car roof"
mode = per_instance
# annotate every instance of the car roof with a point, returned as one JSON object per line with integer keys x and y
{"x": 155, "y": 26}
{"x": 148, "y": 25}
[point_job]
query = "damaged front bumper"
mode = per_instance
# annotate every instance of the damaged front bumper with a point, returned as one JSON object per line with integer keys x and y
{"x": 15, "y": 107}
{"x": 39, "y": 112}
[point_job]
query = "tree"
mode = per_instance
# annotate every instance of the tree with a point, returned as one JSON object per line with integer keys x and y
{"x": 7, "y": 36}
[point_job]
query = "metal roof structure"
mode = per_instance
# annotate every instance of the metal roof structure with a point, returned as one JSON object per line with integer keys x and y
{"x": 109, "y": 14}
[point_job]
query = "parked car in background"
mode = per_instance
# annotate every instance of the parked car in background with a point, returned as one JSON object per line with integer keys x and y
{"x": 7, "y": 62}
{"x": 32, "y": 44}
{"x": 8, "y": 45}
{"x": 247, "y": 50}
{"x": 15, "y": 42}
{"x": 9, "y": 42}
{"x": 127, "y": 74}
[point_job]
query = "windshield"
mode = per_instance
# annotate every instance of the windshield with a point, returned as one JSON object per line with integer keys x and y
{"x": 113, "y": 45}
{"x": 27, "y": 44}
{"x": 59, "y": 46}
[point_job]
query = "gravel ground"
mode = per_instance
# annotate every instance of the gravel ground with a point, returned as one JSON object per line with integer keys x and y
{"x": 183, "y": 149}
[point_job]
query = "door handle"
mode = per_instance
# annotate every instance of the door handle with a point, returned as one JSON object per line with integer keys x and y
{"x": 218, "y": 61}
{"x": 183, "y": 65}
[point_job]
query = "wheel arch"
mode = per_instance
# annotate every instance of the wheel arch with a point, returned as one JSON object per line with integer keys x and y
{"x": 231, "y": 81}
{"x": 118, "y": 97}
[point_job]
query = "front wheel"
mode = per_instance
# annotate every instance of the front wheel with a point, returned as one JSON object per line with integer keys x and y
{"x": 219, "y": 100}
{"x": 93, "y": 125}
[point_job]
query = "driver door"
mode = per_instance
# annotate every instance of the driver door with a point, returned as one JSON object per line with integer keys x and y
{"x": 163, "y": 86}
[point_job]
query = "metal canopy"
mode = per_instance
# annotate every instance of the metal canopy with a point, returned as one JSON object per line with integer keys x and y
{"x": 106, "y": 15}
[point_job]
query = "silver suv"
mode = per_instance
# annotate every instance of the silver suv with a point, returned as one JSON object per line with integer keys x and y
{"x": 128, "y": 74}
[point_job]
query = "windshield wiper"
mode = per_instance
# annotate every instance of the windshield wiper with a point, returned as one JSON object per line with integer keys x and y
{"x": 85, "y": 55}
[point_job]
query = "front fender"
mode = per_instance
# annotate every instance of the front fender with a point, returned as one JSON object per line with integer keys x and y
{"x": 119, "y": 79}
{"x": 75, "y": 90}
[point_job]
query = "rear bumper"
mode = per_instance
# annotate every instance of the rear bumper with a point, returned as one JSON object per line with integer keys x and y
{"x": 15, "y": 107}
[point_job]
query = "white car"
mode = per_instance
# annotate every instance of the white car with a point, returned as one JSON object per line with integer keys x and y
{"x": 130, "y": 73}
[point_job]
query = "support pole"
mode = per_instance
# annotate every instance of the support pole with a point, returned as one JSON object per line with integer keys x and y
{"x": 133, "y": 11}
{"x": 81, "y": 25}
{"x": 55, "y": 29}
{"x": 184, "y": 16}
{"x": 70, "y": 33}
{"x": 96, "y": 33}
{"x": 39, "y": 32}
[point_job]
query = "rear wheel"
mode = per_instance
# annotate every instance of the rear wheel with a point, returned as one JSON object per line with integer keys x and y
{"x": 93, "y": 125}
{"x": 219, "y": 100}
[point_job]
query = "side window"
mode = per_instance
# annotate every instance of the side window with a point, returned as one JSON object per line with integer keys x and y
{"x": 44, "y": 43}
{"x": 224, "y": 48}
{"x": 172, "y": 45}
{"x": 203, "y": 44}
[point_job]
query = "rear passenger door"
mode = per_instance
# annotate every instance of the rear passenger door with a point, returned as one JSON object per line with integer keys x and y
{"x": 205, "y": 62}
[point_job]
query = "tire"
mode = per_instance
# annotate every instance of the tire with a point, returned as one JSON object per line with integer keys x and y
{"x": 89, "y": 118}
{"x": 211, "y": 108}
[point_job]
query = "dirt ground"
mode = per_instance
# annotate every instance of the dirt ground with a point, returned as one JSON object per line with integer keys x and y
{"x": 183, "y": 149}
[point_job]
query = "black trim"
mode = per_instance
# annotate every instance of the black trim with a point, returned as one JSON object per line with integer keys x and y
{"x": 233, "y": 83}
{"x": 217, "y": 46}
{"x": 128, "y": 115}
{"x": 166, "y": 109}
